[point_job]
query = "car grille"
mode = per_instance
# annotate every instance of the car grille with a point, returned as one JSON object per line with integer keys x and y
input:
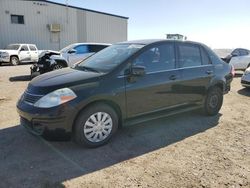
{"x": 31, "y": 98}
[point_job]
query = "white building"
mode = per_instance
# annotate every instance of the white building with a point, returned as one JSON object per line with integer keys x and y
{"x": 53, "y": 26}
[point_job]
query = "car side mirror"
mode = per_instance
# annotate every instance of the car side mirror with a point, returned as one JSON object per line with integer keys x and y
{"x": 21, "y": 50}
{"x": 72, "y": 51}
{"x": 138, "y": 70}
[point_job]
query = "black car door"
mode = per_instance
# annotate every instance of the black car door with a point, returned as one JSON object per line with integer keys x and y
{"x": 196, "y": 71}
{"x": 153, "y": 91}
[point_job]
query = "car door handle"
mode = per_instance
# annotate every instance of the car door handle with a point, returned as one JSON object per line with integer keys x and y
{"x": 209, "y": 71}
{"x": 172, "y": 77}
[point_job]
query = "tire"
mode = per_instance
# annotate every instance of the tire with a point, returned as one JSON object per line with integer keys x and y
{"x": 58, "y": 66}
{"x": 213, "y": 101}
{"x": 14, "y": 60}
{"x": 96, "y": 120}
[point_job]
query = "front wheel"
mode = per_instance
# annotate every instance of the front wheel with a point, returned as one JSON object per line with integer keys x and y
{"x": 14, "y": 61}
{"x": 213, "y": 101}
{"x": 95, "y": 125}
{"x": 58, "y": 66}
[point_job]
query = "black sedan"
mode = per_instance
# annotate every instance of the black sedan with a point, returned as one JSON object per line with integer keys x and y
{"x": 126, "y": 83}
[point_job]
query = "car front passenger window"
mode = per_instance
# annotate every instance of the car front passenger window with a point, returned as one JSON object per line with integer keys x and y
{"x": 158, "y": 58}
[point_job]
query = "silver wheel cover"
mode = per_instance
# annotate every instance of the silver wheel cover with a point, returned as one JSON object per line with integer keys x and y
{"x": 14, "y": 61}
{"x": 98, "y": 127}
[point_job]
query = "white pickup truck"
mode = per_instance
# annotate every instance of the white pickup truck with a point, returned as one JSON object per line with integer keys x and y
{"x": 19, "y": 53}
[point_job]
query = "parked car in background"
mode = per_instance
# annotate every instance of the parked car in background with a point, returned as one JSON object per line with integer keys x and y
{"x": 239, "y": 58}
{"x": 19, "y": 53}
{"x": 245, "y": 79}
{"x": 68, "y": 56}
{"x": 126, "y": 83}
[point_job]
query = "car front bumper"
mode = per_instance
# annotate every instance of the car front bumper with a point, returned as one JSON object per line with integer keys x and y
{"x": 245, "y": 80}
{"x": 41, "y": 121}
{"x": 5, "y": 59}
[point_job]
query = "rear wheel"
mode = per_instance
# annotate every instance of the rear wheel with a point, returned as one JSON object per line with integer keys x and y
{"x": 95, "y": 125}
{"x": 14, "y": 60}
{"x": 213, "y": 101}
{"x": 58, "y": 66}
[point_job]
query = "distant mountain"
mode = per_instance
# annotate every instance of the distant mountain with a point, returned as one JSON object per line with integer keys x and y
{"x": 222, "y": 52}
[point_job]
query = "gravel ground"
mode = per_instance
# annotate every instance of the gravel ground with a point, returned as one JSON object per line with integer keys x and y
{"x": 186, "y": 150}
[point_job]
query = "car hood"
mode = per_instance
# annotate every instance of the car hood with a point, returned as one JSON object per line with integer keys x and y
{"x": 67, "y": 77}
{"x": 50, "y": 52}
{"x": 9, "y": 51}
{"x": 57, "y": 57}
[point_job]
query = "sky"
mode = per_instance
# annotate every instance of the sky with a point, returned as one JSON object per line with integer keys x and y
{"x": 217, "y": 23}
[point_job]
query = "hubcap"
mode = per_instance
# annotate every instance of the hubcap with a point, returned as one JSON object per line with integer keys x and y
{"x": 57, "y": 67}
{"x": 98, "y": 127}
{"x": 14, "y": 61}
{"x": 213, "y": 102}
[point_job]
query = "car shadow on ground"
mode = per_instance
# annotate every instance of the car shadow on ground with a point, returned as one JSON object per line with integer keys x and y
{"x": 29, "y": 161}
{"x": 244, "y": 91}
{"x": 9, "y": 65}
{"x": 20, "y": 78}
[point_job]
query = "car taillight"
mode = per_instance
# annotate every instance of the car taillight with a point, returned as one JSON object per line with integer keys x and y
{"x": 232, "y": 70}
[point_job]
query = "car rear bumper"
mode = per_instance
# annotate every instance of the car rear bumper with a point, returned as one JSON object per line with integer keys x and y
{"x": 5, "y": 59}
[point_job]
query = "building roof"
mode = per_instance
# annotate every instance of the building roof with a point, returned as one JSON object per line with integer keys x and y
{"x": 79, "y": 8}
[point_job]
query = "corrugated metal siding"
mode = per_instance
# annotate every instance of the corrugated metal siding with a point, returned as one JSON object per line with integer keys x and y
{"x": 105, "y": 28}
{"x": 81, "y": 26}
{"x": 76, "y": 25}
{"x": 35, "y": 29}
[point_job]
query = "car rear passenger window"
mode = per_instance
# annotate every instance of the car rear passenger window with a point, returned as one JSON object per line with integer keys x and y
{"x": 32, "y": 48}
{"x": 158, "y": 58}
{"x": 189, "y": 55}
{"x": 96, "y": 48}
{"x": 243, "y": 52}
{"x": 204, "y": 57}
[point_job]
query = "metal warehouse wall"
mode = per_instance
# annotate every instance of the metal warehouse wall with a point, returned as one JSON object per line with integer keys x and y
{"x": 105, "y": 28}
{"x": 35, "y": 28}
{"x": 76, "y": 25}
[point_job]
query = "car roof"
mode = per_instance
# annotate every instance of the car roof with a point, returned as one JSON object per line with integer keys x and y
{"x": 152, "y": 41}
{"x": 22, "y": 44}
{"x": 91, "y": 43}
{"x": 241, "y": 49}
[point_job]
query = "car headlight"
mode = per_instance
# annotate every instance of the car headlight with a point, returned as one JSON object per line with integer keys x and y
{"x": 56, "y": 98}
{"x": 247, "y": 71}
{"x": 5, "y": 54}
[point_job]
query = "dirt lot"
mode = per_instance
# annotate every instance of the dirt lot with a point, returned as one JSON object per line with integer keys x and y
{"x": 186, "y": 150}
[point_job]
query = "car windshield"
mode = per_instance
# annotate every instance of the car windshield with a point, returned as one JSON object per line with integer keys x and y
{"x": 12, "y": 47}
{"x": 64, "y": 50}
{"x": 109, "y": 58}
